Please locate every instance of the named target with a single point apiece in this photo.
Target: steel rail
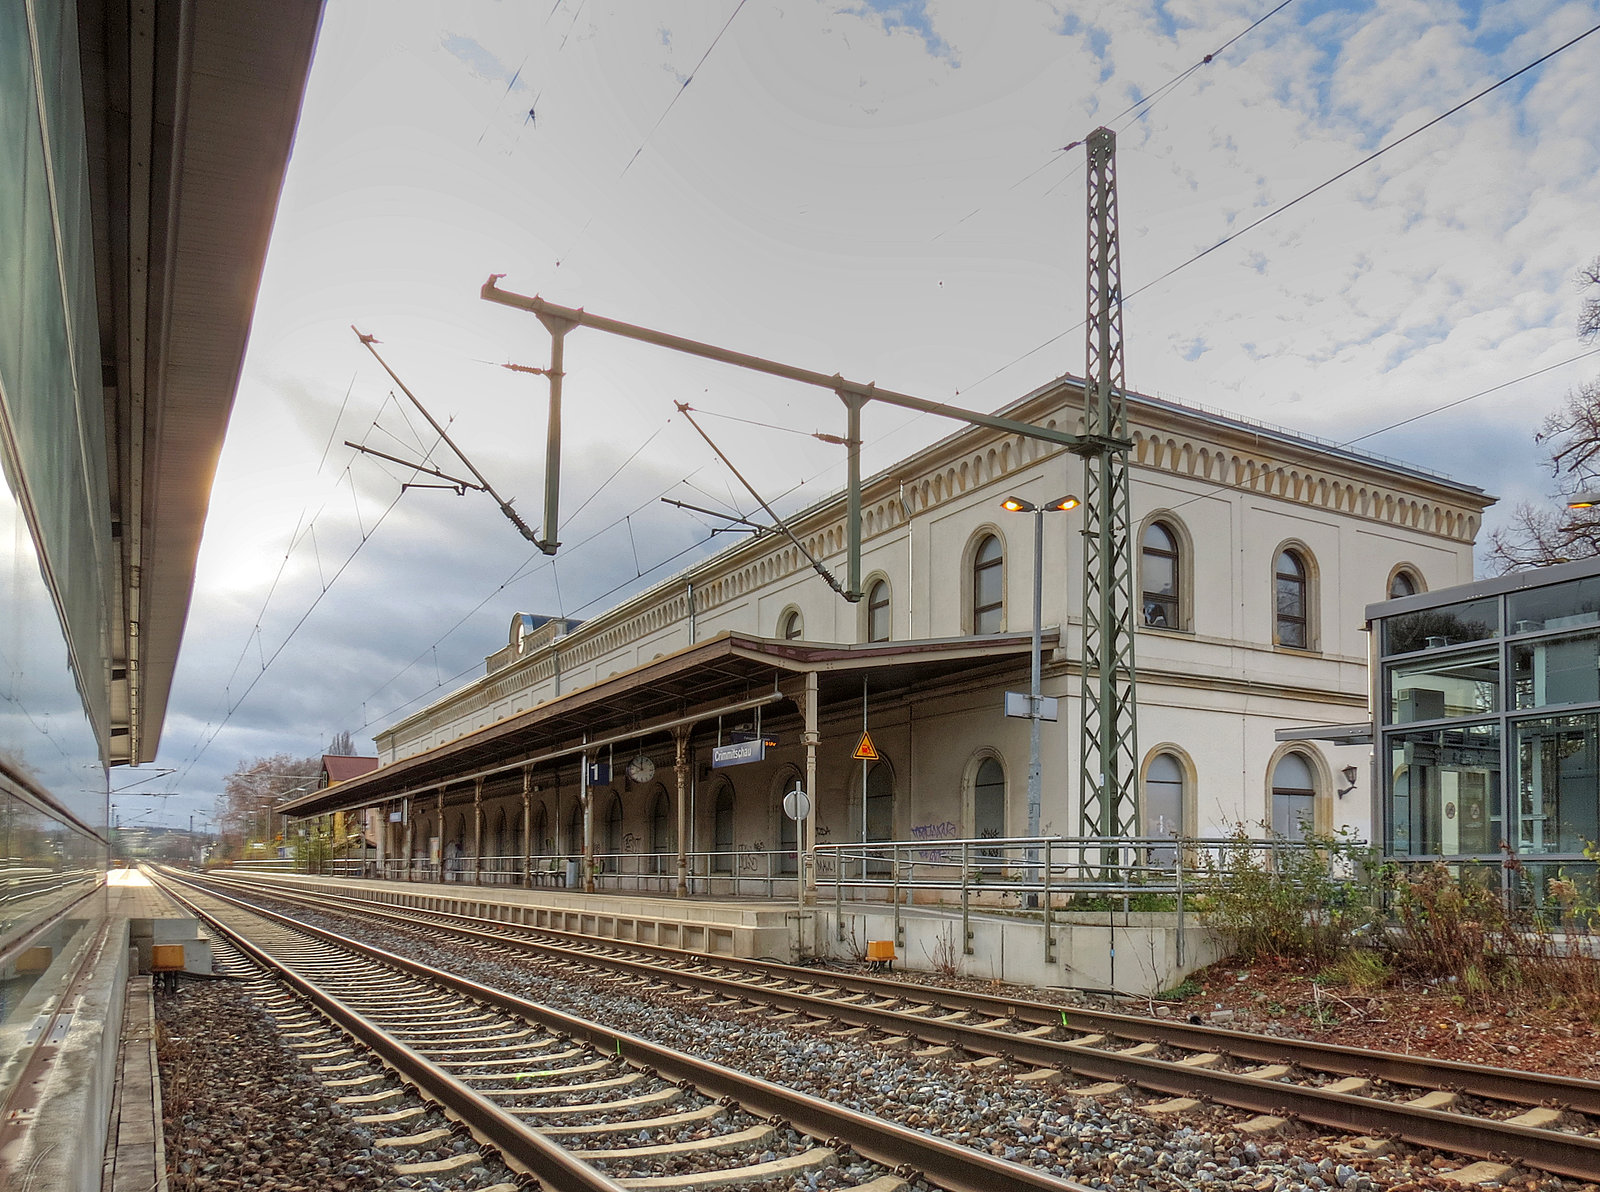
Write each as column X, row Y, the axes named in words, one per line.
column 1553, row 1151
column 909, row 1152
column 1500, row 1084
column 521, row 1147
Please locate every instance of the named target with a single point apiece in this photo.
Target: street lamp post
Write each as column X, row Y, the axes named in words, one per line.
column 1035, row 699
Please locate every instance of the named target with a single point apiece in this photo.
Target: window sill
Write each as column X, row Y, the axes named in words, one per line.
column 1311, row 651
column 1166, row 630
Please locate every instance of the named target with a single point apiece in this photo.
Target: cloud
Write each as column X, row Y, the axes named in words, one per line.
column 911, row 15
column 831, row 193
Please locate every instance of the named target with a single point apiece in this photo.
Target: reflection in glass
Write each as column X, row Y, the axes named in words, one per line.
column 1557, row 792
column 1434, row 688
column 1559, row 606
column 1435, row 628
column 988, row 587
column 1444, row 795
column 1158, row 571
column 1290, row 587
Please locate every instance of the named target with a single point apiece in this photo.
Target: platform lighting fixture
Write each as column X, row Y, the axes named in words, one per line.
column 1035, row 703
column 1587, row 499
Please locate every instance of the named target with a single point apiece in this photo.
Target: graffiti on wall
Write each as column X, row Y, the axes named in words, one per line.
column 940, row 831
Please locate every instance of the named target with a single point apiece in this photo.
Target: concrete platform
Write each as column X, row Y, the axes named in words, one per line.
column 1134, row 954
column 732, row 927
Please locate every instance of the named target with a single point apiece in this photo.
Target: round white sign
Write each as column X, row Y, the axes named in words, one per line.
column 797, row 804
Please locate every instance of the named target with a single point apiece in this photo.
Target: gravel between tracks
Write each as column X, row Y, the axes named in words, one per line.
column 240, row 1112
column 243, row 1112
column 1108, row 1143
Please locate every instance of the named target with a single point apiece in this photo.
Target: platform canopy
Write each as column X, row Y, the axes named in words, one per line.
column 728, row 673
column 190, row 110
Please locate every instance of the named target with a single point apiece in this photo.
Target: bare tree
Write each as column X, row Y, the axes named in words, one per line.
column 248, row 819
column 342, row 745
column 1538, row 536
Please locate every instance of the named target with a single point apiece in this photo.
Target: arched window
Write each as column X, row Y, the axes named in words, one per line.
column 1293, row 605
column 880, row 809
column 879, row 624
column 1163, row 804
column 1403, row 583
column 575, row 831
column 989, row 806
column 788, row 843
column 660, row 832
column 1160, row 577
column 988, row 586
column 791, row 626
column 613, row 836
column 1294, row 798
column 541, row 842
column 722, row 830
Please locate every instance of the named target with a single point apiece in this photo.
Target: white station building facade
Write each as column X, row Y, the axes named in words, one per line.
column 1256, row 552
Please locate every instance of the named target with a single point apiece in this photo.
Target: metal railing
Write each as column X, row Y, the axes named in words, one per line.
column 732, row 873
column 1041, row 875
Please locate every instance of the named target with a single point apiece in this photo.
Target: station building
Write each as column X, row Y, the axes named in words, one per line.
column 590, row 751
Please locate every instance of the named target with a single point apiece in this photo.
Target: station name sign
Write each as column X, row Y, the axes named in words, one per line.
column 739, row 753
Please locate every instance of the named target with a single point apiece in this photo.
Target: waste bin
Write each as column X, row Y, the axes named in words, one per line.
column 572, row 874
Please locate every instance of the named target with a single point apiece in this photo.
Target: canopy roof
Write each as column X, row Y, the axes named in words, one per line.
column 726, row 673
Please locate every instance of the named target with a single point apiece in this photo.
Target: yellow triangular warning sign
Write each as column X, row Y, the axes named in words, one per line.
column 866, row 751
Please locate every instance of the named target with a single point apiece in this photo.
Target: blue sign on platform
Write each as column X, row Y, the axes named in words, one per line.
column 599, row 773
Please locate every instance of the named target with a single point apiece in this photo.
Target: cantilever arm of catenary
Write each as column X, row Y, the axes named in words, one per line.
column 816, row 566
column 367, row 341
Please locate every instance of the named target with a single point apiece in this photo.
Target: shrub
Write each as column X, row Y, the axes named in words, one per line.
column 1289, row 899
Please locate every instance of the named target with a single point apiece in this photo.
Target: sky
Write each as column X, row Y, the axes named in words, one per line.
column 877, row 188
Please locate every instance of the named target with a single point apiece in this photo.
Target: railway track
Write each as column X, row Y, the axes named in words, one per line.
column 578, row 1104
column 1543, row 1122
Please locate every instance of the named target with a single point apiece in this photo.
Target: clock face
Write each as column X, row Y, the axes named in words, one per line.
column 641, row 769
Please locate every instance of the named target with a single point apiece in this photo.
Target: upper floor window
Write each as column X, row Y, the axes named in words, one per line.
column 1160, row 577
column 1292, row 587
column 879, row 625
column 791, row 627
column 988, row 586
column 1403, row 584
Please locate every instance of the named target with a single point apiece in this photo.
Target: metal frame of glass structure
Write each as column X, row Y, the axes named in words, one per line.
column 1487, row 709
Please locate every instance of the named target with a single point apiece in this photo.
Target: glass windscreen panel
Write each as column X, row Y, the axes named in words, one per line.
column 1465, row 684
column 1440, row 628
column 1559, row 606
column 1444, row 792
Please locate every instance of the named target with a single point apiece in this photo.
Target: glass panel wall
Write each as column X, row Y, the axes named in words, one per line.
column 1445, row 792
column 1434, row 688
column 1557, row 793
column 1440, row 628
column 1557, row 606
column 1523, row 707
